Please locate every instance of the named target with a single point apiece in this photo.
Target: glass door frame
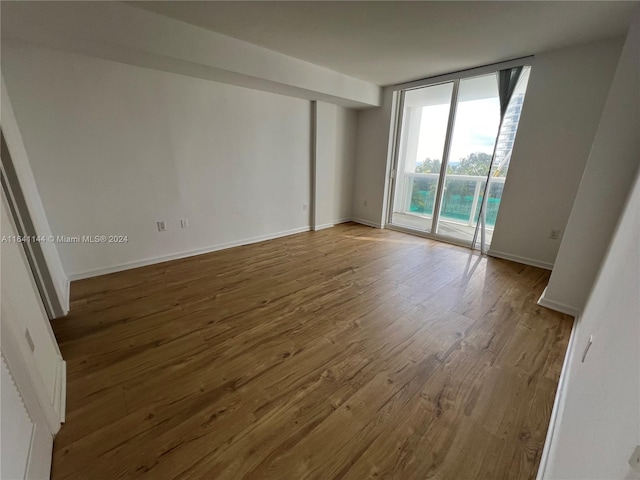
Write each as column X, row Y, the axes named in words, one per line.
column 396, row 132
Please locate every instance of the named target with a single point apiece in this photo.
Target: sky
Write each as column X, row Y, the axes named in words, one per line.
column 475, row 129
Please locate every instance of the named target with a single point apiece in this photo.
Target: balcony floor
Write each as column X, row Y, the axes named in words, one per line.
column 464, row 233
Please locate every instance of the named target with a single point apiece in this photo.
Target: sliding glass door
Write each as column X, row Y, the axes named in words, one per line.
column 453, row 148
column 425, row 120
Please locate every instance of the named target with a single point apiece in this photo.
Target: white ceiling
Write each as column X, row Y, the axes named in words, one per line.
column 393, row 42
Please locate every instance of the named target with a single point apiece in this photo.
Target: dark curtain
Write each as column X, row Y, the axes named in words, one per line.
column 507, row 81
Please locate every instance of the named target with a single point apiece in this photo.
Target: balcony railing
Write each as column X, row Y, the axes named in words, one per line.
column 461, row 199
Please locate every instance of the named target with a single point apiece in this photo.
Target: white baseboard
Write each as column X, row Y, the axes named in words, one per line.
column 519, row 259
column 367, row 222
column 60, row 390
column 67, row 296
column 544, row 301
column 558, row 407
column 323, row 226
column 559, row 402
column 185, row 254
column 333, row 224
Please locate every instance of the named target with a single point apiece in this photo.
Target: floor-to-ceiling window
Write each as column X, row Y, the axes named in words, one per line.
column 453, row 145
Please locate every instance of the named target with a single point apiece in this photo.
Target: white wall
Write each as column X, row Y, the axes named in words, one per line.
column 124, row 33
column 344, row 172
column 115, row 148
column 335, row 133
column 598, row 423
column 613, row 163
column 565, row 96
column 557, row 126
column 372, row 153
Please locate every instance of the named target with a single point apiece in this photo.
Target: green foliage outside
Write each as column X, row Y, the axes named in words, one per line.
column 429, row 166
column 458, row 194
column 476, row 164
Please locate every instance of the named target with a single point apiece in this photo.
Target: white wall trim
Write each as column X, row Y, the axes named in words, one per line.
column 466, row 73
column 393, row 145
column 184, row 254
column 313, row 171
column 518, row 259
column 323, row 226
column 543, row 301
column 558, row 404
column 67, row 294
column 367, row 222
column 60, row 393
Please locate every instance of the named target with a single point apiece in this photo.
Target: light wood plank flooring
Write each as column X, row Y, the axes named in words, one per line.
column 349, row 353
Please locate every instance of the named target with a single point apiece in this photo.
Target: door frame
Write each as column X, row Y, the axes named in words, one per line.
column 45, row 409
column 25, row 227
column 396, row 131
column 17, row 349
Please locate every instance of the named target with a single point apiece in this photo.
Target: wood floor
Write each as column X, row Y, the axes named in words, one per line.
column 349, row 353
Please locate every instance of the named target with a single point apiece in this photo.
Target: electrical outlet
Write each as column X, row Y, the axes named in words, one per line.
column 304, row 207
column 184, row 223
column 554, row 234
column 162, row 226
column 634, row 461
column 365, row 203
